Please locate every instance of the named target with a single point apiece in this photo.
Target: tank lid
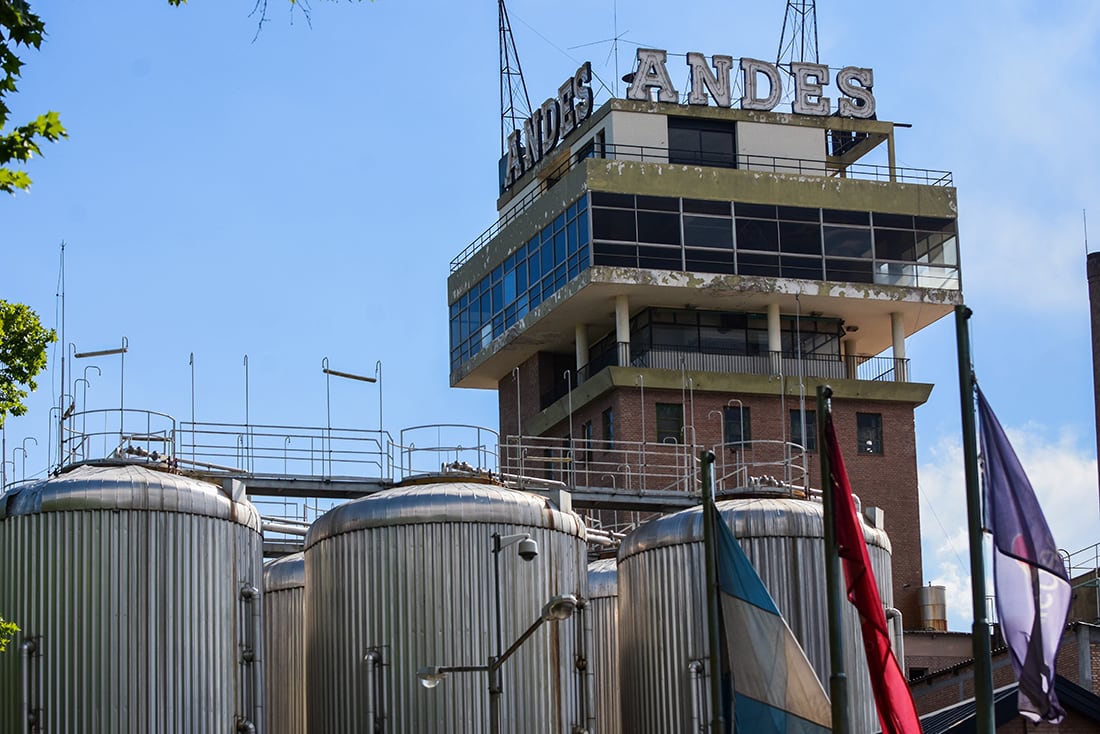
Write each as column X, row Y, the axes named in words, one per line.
column 288, row 572
column 603, row 578
column 449, row 502
column 748, row 518
column 126, row 487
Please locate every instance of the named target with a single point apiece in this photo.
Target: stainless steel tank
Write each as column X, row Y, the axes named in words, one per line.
column 403, row 580
column 662, row 607
column 285, row 645
column 603, row 613
column 137, row 594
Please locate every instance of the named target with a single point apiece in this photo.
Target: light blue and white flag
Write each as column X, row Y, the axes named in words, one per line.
column 775, row 689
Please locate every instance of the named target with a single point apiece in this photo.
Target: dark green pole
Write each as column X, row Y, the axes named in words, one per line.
column 714, row 633
column 834, row 584
column 983, row 667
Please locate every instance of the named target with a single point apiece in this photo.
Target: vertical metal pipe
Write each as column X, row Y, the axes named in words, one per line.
column 494, row 696
column 834, row 589
column 374, row 662
column 695, row 667
column 714, row 645
column 26, row 714
column 983, row 675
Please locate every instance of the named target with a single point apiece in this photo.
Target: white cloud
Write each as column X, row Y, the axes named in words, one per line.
column 1064, row 476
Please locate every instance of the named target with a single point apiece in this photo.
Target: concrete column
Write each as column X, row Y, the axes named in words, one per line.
column 622, row 329
column 851, row 365
column 775, row 338
column 897, row 329
column 582, row 345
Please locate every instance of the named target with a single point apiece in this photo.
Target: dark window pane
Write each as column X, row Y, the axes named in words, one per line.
column 609, row 427
column 659, row 203
column 804, row 268
column 896, row 221
column 660, row 258
column 738, row 425
column 895, row 244
column 854, row 271
column 603, row 198
column 759, row 211
column 934, row 224
column 611, row 254
column 841, row 216
column 753, row 264
column 804, row 434
column 614, row 224
column 659, row 227
column 801, row 238
column 755, row 234
column 799, row 214
column 670, row 422
column 709, row 261
column 701, row 142
column 701, row 206
column 844, row 242
column 869, row 433
column 708, row 231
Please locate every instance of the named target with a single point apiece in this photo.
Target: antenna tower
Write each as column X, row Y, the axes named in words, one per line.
column 515, row 105
column 798, row 41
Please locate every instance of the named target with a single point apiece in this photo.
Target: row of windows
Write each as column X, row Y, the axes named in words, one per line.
column 527, row 277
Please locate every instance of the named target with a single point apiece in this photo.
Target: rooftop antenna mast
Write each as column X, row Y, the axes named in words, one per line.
column 515, row 104
column 798, row 41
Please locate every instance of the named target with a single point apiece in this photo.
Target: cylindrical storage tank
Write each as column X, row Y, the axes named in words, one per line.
column 603, row 615
column 933, row 608
column 403, row 580
column 285, row 644
column 662, row 606
column 137, row 592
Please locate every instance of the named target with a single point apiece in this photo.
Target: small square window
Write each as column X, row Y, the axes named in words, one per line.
column 869, row 433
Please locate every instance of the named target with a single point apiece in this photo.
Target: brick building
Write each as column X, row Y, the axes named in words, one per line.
column 668, row 277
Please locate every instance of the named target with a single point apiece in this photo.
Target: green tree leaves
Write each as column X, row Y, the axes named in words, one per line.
column 20, row 27
column 23, row 342
column 7, row 631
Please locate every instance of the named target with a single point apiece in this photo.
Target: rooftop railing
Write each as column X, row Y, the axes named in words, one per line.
column 651, row 154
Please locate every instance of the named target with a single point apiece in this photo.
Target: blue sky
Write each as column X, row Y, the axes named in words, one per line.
column 300, row 195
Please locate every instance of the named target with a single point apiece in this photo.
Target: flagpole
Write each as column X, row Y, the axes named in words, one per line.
column 834, row 589
column 714, row 634
column 983, row 675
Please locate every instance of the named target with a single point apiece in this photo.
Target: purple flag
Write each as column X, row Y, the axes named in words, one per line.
column 1032, row 586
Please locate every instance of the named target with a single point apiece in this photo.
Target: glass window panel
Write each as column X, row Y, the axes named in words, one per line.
column 896, row 221
column 757, row 211
column 800, row 237
column 521, row 306
column 709, row 261
column 603, row 198
column 660, row 258
column 804, row 433
column 582, row 227
column 509, row 286
column 559, row 223
column 935, row 224
column 614, row 224
column 717, row 148
column 659, row 227
column 895, row 244
column 804, row 268
column 670, row 422
column 842, row 216
column 854, row 271
column 659, row 203
column 521, row 277
column 869, row 433
column 573, row 239
column 754, row 234
column 702, row 206
column 799, row 214
column 498, row 297
column 496, row 274
column 737, row 422
column 847, row 242
column 754, row 264
column 560, row 250
column 708, row 231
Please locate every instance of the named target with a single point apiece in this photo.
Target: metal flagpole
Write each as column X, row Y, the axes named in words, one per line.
column 834, row 578
column 714, row 651
column 983, row 665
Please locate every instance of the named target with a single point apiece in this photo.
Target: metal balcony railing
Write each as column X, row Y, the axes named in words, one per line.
column 652, row 154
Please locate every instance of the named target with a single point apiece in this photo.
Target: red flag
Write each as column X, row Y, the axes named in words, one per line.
column 896, row 711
